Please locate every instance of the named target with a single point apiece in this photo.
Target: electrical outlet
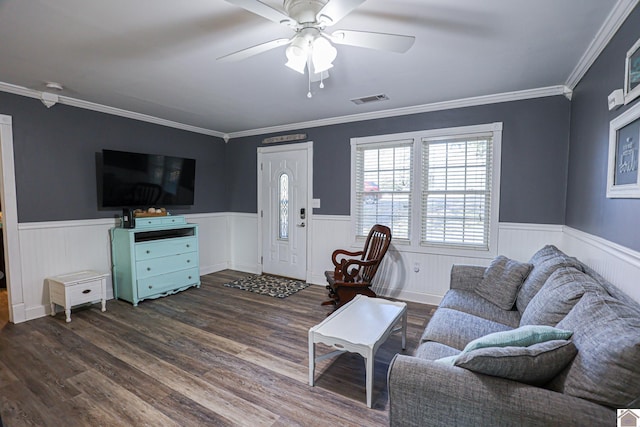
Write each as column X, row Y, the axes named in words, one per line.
column 416, row 267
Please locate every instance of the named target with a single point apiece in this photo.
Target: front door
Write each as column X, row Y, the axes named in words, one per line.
column 283, row 209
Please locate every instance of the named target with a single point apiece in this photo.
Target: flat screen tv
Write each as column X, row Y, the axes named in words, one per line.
column 138, row 180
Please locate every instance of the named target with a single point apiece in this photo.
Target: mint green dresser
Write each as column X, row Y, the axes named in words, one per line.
column 158, row 257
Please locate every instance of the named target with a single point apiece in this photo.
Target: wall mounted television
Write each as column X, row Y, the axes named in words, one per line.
column 138, row 180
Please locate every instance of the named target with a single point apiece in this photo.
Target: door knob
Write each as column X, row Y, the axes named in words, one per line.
column 301, row 225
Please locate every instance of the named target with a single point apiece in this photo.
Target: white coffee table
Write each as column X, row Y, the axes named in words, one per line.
column 360, row 326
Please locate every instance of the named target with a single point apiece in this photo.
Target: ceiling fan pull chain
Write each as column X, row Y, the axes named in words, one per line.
column 321, row 81
column 309, row 93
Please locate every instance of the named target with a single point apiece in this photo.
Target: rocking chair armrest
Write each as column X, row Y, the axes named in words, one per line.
column 334, row 255
column 349, row 276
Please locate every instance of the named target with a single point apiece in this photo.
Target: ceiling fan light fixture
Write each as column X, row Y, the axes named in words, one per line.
column 297, row 54
column 323, row 54
column 297, row 63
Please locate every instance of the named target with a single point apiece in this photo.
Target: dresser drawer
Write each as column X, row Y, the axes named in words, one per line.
column 167, row 264
column 167, row 282
column 155, row 249
column 173, row 220
column 159, row 221
column 84, row 292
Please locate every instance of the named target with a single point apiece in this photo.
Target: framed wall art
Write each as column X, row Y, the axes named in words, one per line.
column 624, row 144
column 632, row 74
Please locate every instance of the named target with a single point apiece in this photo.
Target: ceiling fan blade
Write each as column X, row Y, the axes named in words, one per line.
column 335, row 10
column 264, row 10
column 253, row 50
column 380, row 41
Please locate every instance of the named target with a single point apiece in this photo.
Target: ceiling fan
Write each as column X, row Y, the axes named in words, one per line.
column 311, row 46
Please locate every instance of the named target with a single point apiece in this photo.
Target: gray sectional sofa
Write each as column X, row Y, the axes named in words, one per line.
column 583, row 361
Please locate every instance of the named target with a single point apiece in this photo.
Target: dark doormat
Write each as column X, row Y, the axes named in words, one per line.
column 266, row 284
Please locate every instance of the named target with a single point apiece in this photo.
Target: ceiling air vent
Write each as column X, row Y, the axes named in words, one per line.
column 372, row 98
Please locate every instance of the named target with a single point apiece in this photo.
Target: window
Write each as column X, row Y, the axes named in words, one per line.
column 456, row 190
column 383, row 187
column 436, row 189
column 283, row 204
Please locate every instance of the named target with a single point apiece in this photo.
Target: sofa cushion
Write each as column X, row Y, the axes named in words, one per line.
column 545, row 262
column 520, row 337
column 431, row 350
column 502, row 280
column 456, row 329
column 562, row 290
column 607, row 335
column 472, row 303
column 536, row 364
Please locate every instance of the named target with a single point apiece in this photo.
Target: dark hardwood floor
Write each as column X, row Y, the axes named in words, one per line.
column 208, row 356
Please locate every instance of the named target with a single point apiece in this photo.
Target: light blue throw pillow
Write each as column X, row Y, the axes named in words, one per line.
column 449, row 360
column 523, row 336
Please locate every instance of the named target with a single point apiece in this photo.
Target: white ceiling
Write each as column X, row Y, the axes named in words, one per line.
column 158, row 57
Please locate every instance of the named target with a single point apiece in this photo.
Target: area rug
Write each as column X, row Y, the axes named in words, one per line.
column 265, row 284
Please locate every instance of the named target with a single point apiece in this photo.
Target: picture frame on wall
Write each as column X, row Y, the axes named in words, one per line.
column 632, row 73
column 623, row 180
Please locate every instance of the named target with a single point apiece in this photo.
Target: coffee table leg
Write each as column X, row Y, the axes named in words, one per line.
column 404, row 330
column 369, row 361
column 312, row 359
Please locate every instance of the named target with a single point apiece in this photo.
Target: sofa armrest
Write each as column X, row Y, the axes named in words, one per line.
column 466, row 277
column 426, row 393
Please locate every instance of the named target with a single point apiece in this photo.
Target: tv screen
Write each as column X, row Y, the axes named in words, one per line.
column 139, row 180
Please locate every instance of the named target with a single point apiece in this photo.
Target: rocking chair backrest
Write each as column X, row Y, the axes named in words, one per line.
column 375, row 248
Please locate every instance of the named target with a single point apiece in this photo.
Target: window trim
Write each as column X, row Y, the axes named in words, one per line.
column 413, row 244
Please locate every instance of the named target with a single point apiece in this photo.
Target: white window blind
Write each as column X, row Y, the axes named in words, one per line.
column 456, row 191
column 383, row 186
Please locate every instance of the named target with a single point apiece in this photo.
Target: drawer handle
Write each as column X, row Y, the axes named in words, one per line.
column 86, row 291
column 150, row 287
column 189, row 277
column 188, row 245
column 148, row 268
column 188, row 261
column 148, row 251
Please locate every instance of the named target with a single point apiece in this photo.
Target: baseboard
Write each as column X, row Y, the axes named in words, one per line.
column 422, row 298
column 214, row 268
column 246, row 268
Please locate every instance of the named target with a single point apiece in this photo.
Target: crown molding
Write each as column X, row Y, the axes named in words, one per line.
column 424, row 108
column 74, row 102
column 611, row 25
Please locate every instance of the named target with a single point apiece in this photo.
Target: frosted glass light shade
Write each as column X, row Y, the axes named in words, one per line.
column 323, row 54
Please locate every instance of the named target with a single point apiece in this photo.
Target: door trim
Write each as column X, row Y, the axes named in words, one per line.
column 11, row 241
column 308, row 147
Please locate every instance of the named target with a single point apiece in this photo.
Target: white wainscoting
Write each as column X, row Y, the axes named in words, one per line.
column 398, row 277
column 243, row 242
column 52, row 248
column 58, row 247
column 230, row 240
column 213, row 241
column 617, row 264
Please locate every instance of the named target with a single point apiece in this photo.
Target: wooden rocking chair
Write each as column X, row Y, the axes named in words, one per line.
column 354, row 271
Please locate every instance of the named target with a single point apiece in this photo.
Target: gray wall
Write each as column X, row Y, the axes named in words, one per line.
column 534, row 157
column 588, row 208
column 55, row 158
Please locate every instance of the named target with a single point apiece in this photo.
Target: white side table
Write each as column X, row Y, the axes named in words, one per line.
column 68, row 290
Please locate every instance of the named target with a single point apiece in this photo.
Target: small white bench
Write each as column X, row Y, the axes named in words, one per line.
column 360, row 326
column 68, row 290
